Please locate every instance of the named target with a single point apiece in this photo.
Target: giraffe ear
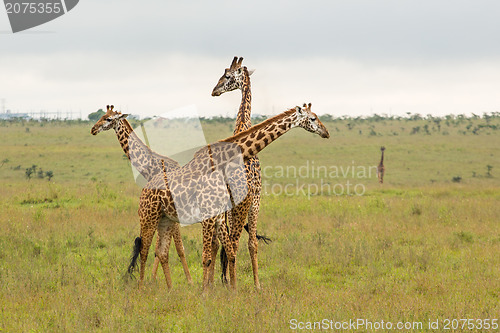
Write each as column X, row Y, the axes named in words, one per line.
column 119, row 116
column 299, row 110
column 250, row 71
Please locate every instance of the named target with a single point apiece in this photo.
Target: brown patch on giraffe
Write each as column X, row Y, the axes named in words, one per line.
column 260, row 136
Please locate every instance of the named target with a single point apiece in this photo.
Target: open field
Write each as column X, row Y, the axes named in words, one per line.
column 421, row 247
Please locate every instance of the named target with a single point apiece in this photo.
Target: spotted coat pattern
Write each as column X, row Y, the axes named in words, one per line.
column 148, row 163
column 381, row 167
column 238, row 77
column 215, row 159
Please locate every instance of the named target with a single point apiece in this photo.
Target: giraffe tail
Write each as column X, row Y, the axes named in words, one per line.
column 223, row 258
column 223, row 255
column 135, row 255
column 223, row 265
column 263, row 238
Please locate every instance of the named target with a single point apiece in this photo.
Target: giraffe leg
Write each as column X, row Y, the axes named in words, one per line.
column 157, row 260
column 223, row 255
column 176, row 233
column 231, row 257
column 147, row 238
column 149, row 215
column 208, row 228
column 162, row 251
column 215, row 248
column 253, row 243
column 239, row 216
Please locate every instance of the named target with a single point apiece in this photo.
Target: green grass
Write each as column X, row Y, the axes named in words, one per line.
column 418, row 248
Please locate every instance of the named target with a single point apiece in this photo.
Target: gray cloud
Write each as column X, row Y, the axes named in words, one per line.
column 347, row 57
column 367, row 30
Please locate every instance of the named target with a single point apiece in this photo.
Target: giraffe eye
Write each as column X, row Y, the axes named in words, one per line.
column 313, row 119
column 227, row 76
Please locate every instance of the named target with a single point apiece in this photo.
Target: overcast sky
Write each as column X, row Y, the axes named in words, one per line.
column 346, row 57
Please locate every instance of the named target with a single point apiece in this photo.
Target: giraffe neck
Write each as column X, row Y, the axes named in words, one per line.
column 123, row 131
column 144, row 160
column 382, row 158
column 258, row 137
column 243, row 119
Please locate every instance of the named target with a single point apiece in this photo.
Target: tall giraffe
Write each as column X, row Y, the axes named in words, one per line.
column 238, row 77
column 381, row 168
column 147, row 162
column 202, row 188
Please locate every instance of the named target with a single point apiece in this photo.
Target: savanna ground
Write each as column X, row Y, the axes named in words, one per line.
column 423, row 247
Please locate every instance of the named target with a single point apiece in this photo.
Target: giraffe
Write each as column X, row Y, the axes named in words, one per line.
column 201, row 187
column 381, row 168
column 238, row 77
column 145, row 161
column 148, row 163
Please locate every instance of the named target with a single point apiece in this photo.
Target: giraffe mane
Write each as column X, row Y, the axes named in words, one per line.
column 127, row 124
column 259, row 126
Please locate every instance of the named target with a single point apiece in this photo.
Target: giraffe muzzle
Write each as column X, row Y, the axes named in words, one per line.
column 94, row 131
column 323, row 132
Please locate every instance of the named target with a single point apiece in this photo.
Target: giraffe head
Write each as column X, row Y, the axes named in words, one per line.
column 108, row 121
column 233, row 78
column 309, row 121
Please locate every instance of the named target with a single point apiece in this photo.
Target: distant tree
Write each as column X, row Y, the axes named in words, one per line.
column 95, row 116
column 487, row 117
column 29, row 172
column 437, row 121
column 326, row 117
column 4, row 161
column 489, row 167
column 49, row 175
column 415, row 130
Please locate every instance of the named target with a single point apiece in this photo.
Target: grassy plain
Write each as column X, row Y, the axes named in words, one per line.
column 421, row 247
